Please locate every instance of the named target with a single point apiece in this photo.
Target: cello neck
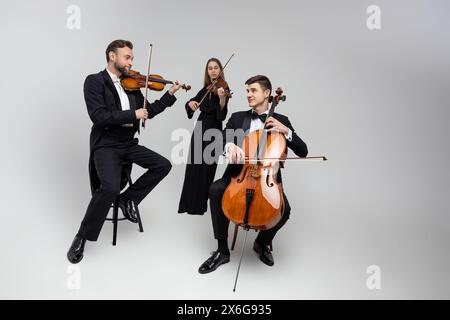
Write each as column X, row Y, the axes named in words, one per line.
column 263, row 139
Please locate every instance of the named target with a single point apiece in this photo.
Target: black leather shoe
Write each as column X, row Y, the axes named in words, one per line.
column 126, row 205
column 213, row 262
column 264, row 253
column 75, row 253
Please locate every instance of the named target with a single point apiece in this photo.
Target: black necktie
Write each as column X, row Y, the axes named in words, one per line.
column 261, row 116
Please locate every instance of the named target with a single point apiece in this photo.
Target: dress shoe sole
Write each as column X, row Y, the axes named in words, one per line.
column 215, row 267
column 73, row 261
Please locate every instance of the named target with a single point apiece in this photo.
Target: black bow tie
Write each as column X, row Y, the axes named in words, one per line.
column 261, row 116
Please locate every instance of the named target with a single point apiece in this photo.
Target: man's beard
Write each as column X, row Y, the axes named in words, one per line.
column 123, row 70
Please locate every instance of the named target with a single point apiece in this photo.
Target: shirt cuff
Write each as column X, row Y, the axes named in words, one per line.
column 225, row 150
column 288, row 136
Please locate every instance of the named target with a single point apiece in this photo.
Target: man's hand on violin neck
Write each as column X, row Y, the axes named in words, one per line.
column 235, row 154
column 175, row 87
column 141, row 113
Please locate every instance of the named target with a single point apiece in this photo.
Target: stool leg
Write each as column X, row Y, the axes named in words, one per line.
column 236, row 228
column 138, row 215
column 115, row 220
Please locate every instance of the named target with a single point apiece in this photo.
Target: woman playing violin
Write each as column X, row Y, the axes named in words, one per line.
column 212, row 102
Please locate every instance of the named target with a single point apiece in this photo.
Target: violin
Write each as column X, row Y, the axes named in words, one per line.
column 216, row 85
column 135, row 81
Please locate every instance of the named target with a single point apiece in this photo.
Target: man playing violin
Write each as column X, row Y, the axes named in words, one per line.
column 116, row 114
column 259, row 90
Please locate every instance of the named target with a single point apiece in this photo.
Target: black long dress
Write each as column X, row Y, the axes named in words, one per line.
column 199, row 175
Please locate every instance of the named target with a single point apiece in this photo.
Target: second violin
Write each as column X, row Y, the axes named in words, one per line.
column 220, row 83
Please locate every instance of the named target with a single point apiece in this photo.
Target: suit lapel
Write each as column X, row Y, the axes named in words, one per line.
column 247, row 121
column 131, row 98
column 112, row 88
column 132, row 101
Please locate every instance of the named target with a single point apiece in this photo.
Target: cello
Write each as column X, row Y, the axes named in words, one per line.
column 254, row 198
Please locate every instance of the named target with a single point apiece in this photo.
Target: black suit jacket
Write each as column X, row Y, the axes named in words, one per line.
column 105, row 111
column 242, row 120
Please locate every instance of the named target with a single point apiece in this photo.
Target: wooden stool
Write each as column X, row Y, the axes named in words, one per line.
column 125, row 180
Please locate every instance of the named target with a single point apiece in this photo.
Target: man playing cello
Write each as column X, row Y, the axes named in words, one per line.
column 259, row 91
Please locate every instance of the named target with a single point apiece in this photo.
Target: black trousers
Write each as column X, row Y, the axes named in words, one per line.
column 108, row 163
column 220, row 222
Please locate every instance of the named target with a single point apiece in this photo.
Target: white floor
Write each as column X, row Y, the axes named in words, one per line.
column 316, row 257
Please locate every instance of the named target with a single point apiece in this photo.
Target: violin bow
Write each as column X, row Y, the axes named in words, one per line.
column 317, row 158
column 215, row 81
column 146, row 80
